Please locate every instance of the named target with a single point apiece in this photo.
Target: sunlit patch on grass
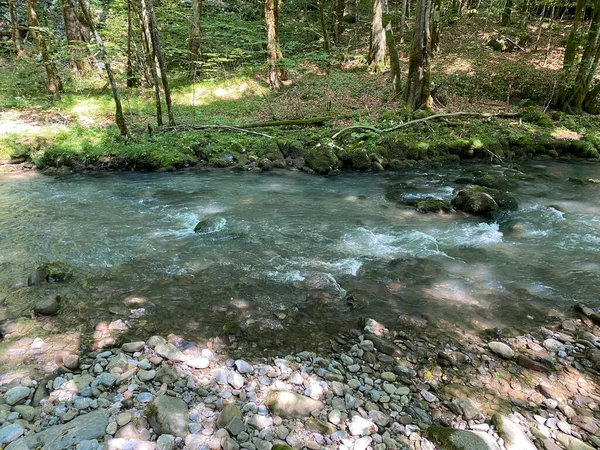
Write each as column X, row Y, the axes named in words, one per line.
column 460, row 65
column 566, row 134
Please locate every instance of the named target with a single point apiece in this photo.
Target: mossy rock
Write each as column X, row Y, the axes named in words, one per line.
column 319, row 426
column 265, row 164
column 497, row 44
column 583, row 181
column 56, row 271
column 231, row 327
column 461, row 147
column 475, row 202
column 433, row 206
column 282, row 447
column 322, row 158
column 360, row 160
column 502, row 199
column 291, row 148
column 537, row 117
column 492, row 181
column 401, row 164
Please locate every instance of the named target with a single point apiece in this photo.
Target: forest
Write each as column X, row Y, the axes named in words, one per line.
column 89, row 85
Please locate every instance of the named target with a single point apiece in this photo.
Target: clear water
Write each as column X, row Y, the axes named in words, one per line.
column 284, row 249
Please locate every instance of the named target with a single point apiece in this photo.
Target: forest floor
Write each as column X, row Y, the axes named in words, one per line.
column 78, row 132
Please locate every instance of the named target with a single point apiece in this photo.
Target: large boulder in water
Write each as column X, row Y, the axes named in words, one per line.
column 209, row 225
column 483, row 201
column 53, row 272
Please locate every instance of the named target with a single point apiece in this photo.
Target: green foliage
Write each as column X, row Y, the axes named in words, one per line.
column 538, row 117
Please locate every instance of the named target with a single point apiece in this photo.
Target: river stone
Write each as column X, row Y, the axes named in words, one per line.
column 10, row 433
column 243, row 367
column 171, row 352
column 290, row 405
column 71, row 361
column 501, row 349
column 132, row 347
column 165, row 442
column 383, row 345
column 48, row 306
column 476, row 202
column 452, row 439
column 16, row 395
column 236, row 380
column 514, row 437
column 466, row 408
column 198, row 362
column 572, row 443
column 60, row 437
column 120, row 361
column 28, row 413
column 146, row 375
column 360, row 426
column 230, row 412
column 168, row 415
column 528, row 363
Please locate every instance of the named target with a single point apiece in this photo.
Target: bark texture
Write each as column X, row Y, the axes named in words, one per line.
column 418, row 87
column 14, row 26
column 377, row 47
column 273, row 50
column 76, row 36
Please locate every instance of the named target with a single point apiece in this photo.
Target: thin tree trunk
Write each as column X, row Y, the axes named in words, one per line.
column 402, row 21
column 161, row 60
column 571, row 48
column 338, row 8
column 436, row 26
column 273, row 52
column 75, row 36
column 377, row 47
column 506, row 13
column 55, row 85
column 418, row 87
column 119, row 118
column 323, row 25
column 391, row 48
column 131, row 77
column 14, row 26
column 195, row 38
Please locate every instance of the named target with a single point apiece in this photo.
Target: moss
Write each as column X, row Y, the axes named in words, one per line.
column 536, row 116
column 282, row 447
column 583, row 181
column 56, row 271
column 360, row 159
column 319, row 426
column 433, row 206
column 322, row 158
column 461, row 147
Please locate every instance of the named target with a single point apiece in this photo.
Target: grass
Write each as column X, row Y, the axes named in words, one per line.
column 78, row 131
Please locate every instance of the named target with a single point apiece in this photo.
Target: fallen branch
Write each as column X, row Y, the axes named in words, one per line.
column 281, row 123
column 425, row 119
column 213, row 127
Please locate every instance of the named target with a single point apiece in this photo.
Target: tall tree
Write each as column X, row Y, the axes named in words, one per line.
column 14, row 26
column 506, row 13
column 402, row 20
column 119, row 117
column 337, row 25
column 55, row 85
column 132, row 80
column 579, row 94
column 323, row 25
column 195, row 37
column 76, row 36
column 377, row 45
column 572, row 41
column 391, row 48
column 436, row 25
column 160, row 58
column 418, row 86
column 142, row 13
column 273, row 50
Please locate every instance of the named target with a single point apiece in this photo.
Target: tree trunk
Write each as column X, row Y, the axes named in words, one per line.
column 571, row 48
column 377, row 47
column 273, row 51
column 195, row 38
column 132, row 80
column 161, row 60
column 76, row 37
column 14, row 26
column 402, row 20
column 338, row 15
column 119, row 118
column 391, row 48
column 436, row 26
column 418, row 87
column 505, row 19
column 573, row 96
column 55, row 85
column 323, row 25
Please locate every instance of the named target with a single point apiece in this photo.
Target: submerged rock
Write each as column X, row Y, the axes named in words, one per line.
column 56, row 271
column 433, row 206
column 48, row 306
column 483, row 200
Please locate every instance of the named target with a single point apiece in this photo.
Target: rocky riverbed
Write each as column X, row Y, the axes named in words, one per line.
column 416, row 385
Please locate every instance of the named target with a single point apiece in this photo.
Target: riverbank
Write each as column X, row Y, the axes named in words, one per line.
column 413, row 384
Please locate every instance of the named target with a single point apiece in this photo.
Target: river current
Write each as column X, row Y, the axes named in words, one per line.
column 293, row 257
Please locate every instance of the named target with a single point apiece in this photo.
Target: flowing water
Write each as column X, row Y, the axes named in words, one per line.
column 289, row 258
